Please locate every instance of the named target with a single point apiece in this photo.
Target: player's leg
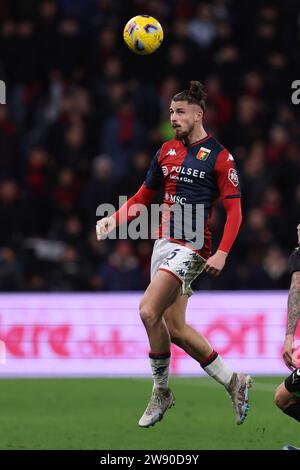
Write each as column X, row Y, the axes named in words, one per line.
column 183, row 335
column 161, row 293
column 198, row 347
column 288, row 402
column 287, row 395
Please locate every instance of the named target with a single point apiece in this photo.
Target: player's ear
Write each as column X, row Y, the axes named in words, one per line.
column 199, row 114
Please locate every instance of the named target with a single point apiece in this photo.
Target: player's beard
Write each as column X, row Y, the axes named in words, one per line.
column 182, row 135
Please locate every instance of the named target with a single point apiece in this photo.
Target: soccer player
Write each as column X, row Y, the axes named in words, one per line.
column 193, row 168
column 287, row 395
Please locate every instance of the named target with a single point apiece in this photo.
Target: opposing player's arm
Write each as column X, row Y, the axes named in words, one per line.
column 228, row 184
column 144, row 196
column 292, row 320
column 293, row 306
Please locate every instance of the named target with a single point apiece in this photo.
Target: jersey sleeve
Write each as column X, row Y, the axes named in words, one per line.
column 143, row 196
column 227, row 176
column 154, row 177
column 228, row 184
column 233, row 210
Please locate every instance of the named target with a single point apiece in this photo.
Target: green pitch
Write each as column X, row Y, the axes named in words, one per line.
column 103, row 414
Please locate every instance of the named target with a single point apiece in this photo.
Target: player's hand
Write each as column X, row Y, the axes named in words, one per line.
column 287, row 352
column 104, row 227
column 298, row 230
column 215, row 263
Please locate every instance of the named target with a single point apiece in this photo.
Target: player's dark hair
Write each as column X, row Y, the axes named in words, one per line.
column 195, row 95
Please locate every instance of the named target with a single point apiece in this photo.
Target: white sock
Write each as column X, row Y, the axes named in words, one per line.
column 160, row 370
column 219, row 370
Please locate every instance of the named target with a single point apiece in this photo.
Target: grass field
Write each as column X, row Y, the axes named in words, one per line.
column 103, row 414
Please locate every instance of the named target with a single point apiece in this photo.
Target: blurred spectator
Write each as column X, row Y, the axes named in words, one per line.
column 47, row 36
column 272, row 208
column 277, row 145
column 38, row 183
column 253, row 84
column 220, row 104
column 75, row 152
column 202, row 28
column 8, row 48
column 69, row 47
column 255, row 234
column 122, row 272
column 70, row 273
column 95, row 254
column 26, row 66
column 101, row 188
column 10, row 272
column 255, row 176
column 247, row 125
column 67, row 191
column 107, row 46
column 168, row 89
column 10, row 165
column 178, row 62
column 275, row 267
column 122, row 134
column 138, row 167
column 15, row 215
column 144, row 252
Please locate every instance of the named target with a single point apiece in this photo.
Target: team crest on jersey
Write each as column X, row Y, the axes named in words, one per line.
column 233, row 177
column 203, row 153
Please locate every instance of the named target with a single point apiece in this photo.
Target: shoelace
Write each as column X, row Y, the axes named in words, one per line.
column 241, row 392
column 155, row 402
column 241, row 398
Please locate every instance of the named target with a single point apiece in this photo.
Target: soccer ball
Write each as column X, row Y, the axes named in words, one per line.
column 143, row 34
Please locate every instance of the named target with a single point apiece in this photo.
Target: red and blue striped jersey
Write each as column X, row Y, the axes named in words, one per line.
column 193, row 174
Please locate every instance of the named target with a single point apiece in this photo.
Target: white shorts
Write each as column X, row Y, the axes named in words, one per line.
column 184, row 263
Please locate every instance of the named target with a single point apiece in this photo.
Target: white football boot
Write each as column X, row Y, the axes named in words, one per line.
column 160, row 401
column 290, row 447
column 238, row 390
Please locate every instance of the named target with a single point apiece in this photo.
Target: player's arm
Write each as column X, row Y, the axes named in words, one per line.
column 293, row 306
column 228, row 184
column 144, row 196
column 292, row 320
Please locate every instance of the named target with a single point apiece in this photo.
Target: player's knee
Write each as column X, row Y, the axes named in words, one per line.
column 148, row 316
column 280, row 399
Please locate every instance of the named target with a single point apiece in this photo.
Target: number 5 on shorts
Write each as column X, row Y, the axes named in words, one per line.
column 173, row 254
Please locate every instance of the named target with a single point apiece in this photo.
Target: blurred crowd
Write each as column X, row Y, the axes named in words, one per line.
column 84, row 117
